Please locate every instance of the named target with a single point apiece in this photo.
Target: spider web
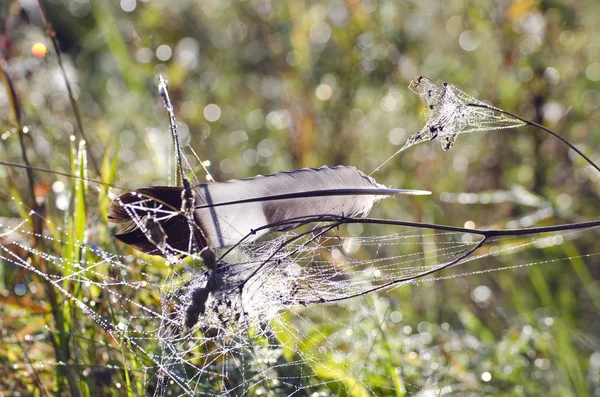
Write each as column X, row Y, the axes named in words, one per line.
column 243, row 325
column 447, row 114
column 284, row 314
column 261, row 339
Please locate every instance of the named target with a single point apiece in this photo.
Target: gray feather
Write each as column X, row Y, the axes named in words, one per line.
column 225, row 225
column 226, row 212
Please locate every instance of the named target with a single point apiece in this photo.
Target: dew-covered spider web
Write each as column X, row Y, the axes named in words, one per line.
column 261, row 339
column 313, row 311
column 447, row 114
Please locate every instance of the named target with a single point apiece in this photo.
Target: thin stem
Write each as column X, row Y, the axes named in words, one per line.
column 486, row 233
column 52, row 34
column 46, row 170
column 534, row 124
column 188, row 198
column 340, row 220
column 164, row 93
column 36, row 376
column 404, row 279
column 337, row 221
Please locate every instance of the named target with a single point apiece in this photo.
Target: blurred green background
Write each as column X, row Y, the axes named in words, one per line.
column 262, row 86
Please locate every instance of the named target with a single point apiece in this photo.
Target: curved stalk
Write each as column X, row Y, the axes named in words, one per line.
column 534, row 124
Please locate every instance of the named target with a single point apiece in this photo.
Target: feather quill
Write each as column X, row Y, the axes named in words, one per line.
column 226, row 212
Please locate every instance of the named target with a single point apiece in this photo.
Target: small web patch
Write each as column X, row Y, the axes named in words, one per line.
column 448, row 113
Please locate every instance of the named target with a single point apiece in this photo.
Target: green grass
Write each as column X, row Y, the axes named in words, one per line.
column 533, row 336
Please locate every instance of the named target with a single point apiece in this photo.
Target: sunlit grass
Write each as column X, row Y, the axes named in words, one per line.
column 534, row 334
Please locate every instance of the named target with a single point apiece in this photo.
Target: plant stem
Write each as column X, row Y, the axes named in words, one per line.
column 52, row 34
column 534, row 124
column 54, row 172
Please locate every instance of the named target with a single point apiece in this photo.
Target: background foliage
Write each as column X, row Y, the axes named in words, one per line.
column 262, row 86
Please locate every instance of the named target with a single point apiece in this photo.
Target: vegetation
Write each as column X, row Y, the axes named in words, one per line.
column 261, row 86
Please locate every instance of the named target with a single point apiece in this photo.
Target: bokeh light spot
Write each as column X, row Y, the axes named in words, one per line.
column 552, row 75
column 164, row 52
column 388, row 103
column 128, row 5
column 567, row 38
column 481, row 293
column 553, row 112
column 525, row 74
column 453, row 25
column 20, row 289
column 212, row 112
column 320, row 33
column 396, row 316
column 188, row 109
column 278, row 119
column 468, row 40
column 293, row 58
column 324, row 92
column 469, row 225
column 227, row 166
column 593, row 71
column 250, row 157
column 39, row 50
column 143, row 55
column 397, row 136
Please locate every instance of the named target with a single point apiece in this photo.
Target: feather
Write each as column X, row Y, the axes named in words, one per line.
column 226, row 212
column 162, row 202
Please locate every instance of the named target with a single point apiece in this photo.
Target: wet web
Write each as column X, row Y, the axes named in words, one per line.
column 262, row 339
column 283, row 315
column 447, row 114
